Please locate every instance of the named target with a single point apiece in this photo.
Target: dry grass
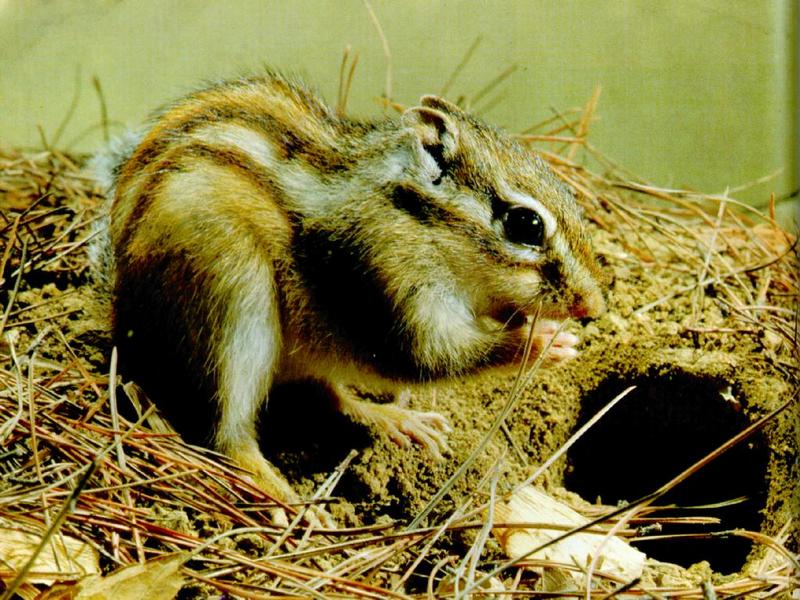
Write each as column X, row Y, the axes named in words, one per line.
column 74, row 469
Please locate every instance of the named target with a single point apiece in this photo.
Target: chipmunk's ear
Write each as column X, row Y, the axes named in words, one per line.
column 441, row 104
column 437, row 132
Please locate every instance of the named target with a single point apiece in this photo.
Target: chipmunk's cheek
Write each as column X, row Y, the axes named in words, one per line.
column 515, row 299
column 528, row 282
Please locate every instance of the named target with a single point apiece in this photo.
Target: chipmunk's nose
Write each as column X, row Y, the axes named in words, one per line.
column 590, row 304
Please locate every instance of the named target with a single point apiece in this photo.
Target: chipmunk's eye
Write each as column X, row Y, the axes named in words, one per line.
column 523, row 226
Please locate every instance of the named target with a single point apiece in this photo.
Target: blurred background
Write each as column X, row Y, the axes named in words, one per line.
column 695, row 94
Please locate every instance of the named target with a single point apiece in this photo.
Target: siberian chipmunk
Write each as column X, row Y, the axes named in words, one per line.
column 256, row 237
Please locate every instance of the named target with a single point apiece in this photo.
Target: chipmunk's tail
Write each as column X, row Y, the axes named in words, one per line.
column 104, row 166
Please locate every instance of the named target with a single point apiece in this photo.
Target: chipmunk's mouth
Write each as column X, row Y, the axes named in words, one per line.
column 513, row 317
column 510, row 317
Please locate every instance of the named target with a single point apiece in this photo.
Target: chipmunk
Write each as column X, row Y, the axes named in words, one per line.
column 256, row 237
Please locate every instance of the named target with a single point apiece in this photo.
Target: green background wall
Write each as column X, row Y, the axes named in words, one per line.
column 695, row 93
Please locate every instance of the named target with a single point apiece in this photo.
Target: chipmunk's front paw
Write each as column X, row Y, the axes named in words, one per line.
column 404, row 426
column 557, row 346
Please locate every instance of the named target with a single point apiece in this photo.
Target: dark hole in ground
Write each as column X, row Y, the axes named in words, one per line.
column 670, row 421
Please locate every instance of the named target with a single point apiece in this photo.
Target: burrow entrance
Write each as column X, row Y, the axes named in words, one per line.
column 672, row 419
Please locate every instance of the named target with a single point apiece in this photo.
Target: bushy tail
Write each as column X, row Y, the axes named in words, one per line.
column 104, row 167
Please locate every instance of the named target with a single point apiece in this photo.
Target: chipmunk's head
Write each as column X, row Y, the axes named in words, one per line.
column 512, row 234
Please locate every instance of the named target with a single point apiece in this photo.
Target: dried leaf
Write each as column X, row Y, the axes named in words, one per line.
column 62, row 558
column 157, row 579
column 529, row 505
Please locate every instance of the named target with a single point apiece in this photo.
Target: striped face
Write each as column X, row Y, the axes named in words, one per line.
column 531, row 249
column 548, row 258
